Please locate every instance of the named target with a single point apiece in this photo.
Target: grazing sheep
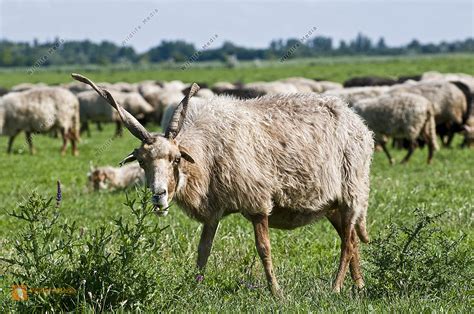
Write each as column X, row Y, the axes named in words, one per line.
column 303, row 85
column 468, row 131
column 404, row 78
column 449, row 101
column 3, row 91
column 125, row 87
column 272, row 88
column 112, row 178
column 162, row 99
column 281, row 161
column 146, row 88
column 94, row 108
column 240, row 92
column 401, row 116
column 450, row 77
column 353, row 94
column 40, row 110
column 76, row 87
column 219, row 87
column 328, row 85
column 360, row 81
column 26, row 86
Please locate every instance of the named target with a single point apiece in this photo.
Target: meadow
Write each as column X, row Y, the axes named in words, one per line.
column 420, row 221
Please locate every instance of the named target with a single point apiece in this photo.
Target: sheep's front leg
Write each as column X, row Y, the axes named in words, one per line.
column 411, row 149
column 262, row 241
column 205, row 246
column 29, row 140
column 10, row 142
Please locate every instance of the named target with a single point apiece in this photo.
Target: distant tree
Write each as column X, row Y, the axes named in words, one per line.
column 361, row 44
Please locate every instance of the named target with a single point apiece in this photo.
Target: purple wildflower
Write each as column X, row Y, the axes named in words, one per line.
column 59, row 195
column 199, row 278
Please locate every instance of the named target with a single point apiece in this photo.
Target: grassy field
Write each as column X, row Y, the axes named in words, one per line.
column 336, row 69
column 305, row 259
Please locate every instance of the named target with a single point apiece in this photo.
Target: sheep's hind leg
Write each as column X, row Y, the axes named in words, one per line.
column 73, row 139
column 347, row 248
column 262, row 241
column 29, row 140
column 411, row 149
column 65, row 138
column 354, row 266
column 205, row 246
column 118, row 129
column 10, row 142
column 385, row 150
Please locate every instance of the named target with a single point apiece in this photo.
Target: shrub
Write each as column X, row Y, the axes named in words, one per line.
column 417, row 258
column 102, row 269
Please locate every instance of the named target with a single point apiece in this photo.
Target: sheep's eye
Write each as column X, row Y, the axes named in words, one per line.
column 176, row 160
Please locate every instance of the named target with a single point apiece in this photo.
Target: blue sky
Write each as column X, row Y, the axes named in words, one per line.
column 247, row 23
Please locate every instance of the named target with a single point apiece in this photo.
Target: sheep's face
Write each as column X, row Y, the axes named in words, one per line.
column 99, row 179
column 162, row 161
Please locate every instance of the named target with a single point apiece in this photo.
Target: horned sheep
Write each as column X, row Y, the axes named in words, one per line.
column 40, row 110
column 281, row 161
column 401, row 116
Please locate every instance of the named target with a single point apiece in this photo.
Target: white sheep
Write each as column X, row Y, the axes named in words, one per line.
column 281, row 161
column 40, row 110
column 353, row 94
column 400, row 116
column 94, row 108
column 112, row 178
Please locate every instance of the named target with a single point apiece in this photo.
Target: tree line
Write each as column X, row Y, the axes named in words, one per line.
column 63, row 52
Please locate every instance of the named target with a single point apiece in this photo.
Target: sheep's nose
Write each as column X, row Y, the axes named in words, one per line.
column 158, row 196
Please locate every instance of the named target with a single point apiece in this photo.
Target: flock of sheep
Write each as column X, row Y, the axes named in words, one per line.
column 281, row 153
column 412, row 111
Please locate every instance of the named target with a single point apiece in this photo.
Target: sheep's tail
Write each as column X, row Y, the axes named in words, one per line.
column 361, row 229
column 76, row 126
column 431, row 129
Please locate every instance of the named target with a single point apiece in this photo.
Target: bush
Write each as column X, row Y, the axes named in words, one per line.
column 417, row 258
column 100, row 270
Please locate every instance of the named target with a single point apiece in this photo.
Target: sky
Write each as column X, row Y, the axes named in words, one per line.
column 247, row 23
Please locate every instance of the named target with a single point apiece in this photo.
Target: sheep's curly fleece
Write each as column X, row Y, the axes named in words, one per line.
column 293, row 157
column 402, row 115
column 448, row 101
column 40, row 110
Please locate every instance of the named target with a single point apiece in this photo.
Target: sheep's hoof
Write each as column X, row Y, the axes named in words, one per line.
column 392, row 161
column 277, row 292
column 76, row 153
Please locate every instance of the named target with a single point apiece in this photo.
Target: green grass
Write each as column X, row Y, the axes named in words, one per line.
column 335, row 69
column 305, row 259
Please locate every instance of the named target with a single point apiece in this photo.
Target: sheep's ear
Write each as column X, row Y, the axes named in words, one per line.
column 127, row 159
column 185, row 154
